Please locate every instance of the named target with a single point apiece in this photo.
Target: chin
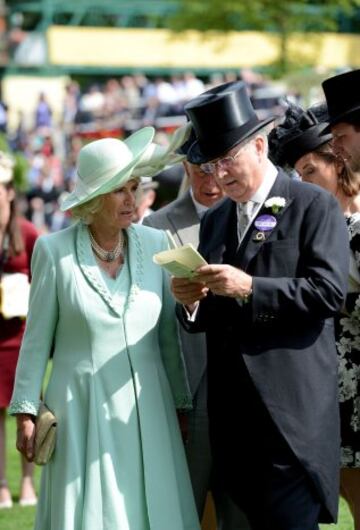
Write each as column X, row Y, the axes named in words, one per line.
column 124, row 226
column 238, row 198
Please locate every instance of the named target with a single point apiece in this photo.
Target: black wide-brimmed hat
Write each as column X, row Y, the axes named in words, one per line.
column 342, row 94
column 301, row 132
column 222, row 118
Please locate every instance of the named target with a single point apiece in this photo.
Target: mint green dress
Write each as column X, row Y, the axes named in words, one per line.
column 117, row 378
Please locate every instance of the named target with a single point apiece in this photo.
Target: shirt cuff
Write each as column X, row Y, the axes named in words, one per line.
column 191, row 317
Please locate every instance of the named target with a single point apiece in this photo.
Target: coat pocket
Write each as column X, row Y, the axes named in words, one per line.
column 278, row 258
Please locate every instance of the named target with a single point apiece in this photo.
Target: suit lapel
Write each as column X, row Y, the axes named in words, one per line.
column 185, row 221
column 250, row 246
column 222, row 243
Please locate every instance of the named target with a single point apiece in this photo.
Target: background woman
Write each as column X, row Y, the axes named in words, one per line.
column 301, row 143
column 118, row 375
column 17, row 238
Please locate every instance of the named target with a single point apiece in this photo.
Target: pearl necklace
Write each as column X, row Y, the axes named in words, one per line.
column 108, row 255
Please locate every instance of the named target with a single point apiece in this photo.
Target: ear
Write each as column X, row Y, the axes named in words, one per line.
column 260, row 145
column 186, row 167
column 150, row 196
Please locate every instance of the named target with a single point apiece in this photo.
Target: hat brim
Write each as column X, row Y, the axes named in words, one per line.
column 138, row 142
column 344, row 116
column 195, row 155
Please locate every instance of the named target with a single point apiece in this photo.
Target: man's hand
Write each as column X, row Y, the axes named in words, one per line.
column 225, row 280
column 188, row 292
column 25, row 439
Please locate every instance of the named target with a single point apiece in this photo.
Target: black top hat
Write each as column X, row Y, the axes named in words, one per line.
column 342, row 94
column 184, row 148
column 301, row 132
column 222, row 118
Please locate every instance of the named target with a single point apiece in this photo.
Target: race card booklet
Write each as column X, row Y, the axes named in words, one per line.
column 180, row 261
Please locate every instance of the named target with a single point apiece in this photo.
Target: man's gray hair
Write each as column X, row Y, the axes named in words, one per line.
column 263, row 133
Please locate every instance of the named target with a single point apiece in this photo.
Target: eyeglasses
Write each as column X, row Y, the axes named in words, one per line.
column 225, row 163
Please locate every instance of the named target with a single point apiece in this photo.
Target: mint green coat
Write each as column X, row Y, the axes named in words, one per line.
column 117, row 377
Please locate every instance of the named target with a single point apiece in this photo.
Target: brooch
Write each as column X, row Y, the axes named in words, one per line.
column 259, row 236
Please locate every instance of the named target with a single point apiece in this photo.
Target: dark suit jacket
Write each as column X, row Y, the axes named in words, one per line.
column 284, row 334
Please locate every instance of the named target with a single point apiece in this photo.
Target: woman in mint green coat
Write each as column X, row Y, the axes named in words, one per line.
column 103, row 306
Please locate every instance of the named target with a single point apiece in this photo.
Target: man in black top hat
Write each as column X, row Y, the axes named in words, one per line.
column 342, row 94
column 278, row 259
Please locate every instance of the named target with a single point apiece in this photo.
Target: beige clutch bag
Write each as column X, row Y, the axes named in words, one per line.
column 45, row 435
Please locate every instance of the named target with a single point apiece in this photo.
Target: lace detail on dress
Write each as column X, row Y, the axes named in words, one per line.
column 136, row 257
column 23, row 406
column 136, row 266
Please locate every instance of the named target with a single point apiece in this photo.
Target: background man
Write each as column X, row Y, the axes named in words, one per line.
column 277, row 252
column 146, row 198
column 343, row 101
column 182, row 218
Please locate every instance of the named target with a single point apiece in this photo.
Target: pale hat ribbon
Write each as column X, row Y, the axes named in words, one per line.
column 157, row 157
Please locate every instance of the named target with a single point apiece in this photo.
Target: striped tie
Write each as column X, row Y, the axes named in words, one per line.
column 244, row 212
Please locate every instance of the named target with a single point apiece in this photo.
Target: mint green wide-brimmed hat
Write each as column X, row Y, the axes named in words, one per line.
column 107, row 164
column 104, row 165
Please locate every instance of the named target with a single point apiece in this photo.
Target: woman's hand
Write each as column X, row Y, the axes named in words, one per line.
column 25, row 438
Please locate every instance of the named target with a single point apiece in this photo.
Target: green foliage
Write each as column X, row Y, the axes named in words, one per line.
column 21, row 167
column 276, row 15
column 280, row 16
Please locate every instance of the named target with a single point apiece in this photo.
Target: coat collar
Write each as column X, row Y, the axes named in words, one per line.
column 185, row 220
column 93, row 275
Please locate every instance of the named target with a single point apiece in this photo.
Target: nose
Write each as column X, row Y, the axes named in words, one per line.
column 130, row 197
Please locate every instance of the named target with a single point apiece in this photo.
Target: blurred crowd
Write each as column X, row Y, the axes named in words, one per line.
column 115, row 107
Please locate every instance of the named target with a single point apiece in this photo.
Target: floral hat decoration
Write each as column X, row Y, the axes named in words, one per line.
column 300, row 132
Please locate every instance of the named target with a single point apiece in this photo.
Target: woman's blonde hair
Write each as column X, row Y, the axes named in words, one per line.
column 86, row 211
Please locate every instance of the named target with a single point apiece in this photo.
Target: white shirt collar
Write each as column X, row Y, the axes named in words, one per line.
column 264, row 189
column 200, row 208
column 257, row 200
